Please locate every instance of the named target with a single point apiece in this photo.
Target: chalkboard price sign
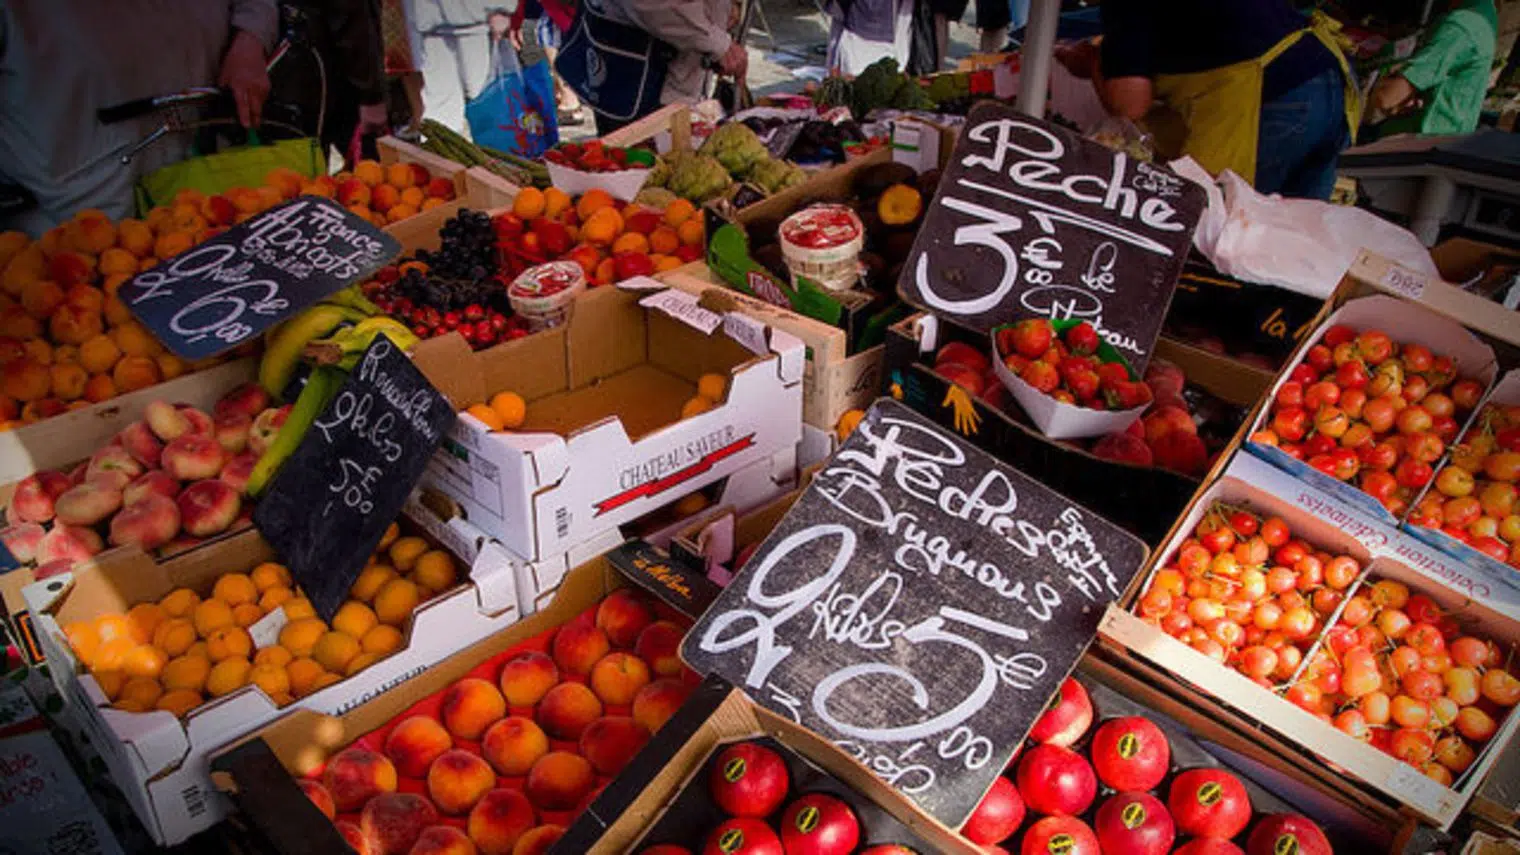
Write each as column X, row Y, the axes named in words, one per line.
column 332, row 499
column 1032, row 220
column 215, row 296
column 917, row 606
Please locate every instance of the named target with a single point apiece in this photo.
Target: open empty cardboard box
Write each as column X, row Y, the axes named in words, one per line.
column 605, row 441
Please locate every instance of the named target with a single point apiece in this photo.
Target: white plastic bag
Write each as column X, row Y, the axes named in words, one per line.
column 1303, row 245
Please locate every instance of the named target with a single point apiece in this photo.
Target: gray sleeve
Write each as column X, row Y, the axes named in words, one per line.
column 258, row 18
column 682, row 23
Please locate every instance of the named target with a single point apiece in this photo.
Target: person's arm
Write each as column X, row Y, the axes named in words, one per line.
column 359, row 51
column 255, row 23
column 1123, row 74
column 1448, row 45
column 684, row 23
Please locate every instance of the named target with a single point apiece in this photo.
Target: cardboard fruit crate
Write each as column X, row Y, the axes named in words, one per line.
column 1357, row 770
column 604, row 442
column 160, row 761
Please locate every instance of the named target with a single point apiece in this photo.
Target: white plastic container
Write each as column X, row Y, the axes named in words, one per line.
column 544, row 295
column 823, row 243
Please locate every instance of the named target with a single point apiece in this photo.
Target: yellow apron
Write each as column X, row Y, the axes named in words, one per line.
column 1221, row 134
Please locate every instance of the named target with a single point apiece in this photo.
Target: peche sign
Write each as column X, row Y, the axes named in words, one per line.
column 917, row 606
column 1032, row 220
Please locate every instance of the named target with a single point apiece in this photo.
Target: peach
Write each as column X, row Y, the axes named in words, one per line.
column 567, row 709
column 148, row 523
column 88, row 503
column 208, row 507
column 192, row 457
column 140, row 442
column 657, row 702
column 199, row 422
column 115, row 461
column 623, row 615
column 513, row 745
column 354, row 837
column 249, row 400
column 617, row 678
column 265, row 426
column 659, row 645
column 559, row 780
column 443, row 840
column 22, row 540
column 34, row 498
column 238, row 470
column 458, row 779
column 319, row 796
column 415, row 743
column 165, row 420
column 393, row 821
column 499, row 819
column 538, row 841
column 470, row 706
column 356, row 775
column 578, row 647
column 231, row 432
column 611, row 741
column 527, row 677
column 153, row 483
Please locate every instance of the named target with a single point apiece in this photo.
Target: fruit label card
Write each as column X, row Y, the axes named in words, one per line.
column 215, row 296
column 1032, row 220
column 917, row 606
column 328, row 506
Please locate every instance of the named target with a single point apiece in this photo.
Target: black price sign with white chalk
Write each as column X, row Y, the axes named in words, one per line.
column 332, row 499
column 917, row 606
column 1032, row 220
column 215, row 296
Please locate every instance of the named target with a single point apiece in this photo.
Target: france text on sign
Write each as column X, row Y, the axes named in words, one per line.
column 332, row 499
column 217, row 295
column 917, row 606
column 1032, row 220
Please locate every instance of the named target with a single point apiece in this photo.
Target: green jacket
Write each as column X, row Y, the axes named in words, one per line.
column 1452, row 68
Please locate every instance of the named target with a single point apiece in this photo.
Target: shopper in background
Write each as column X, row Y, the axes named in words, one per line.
column 1261, row 91
column 454, row 52
column 346, row 34
column 546, row 22
column 992, row 19
column 861, row 32
column 1440, row 90
column 61, row 60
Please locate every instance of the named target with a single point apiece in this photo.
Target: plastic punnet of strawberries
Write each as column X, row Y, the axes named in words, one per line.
column 1370, row 411
column 591, row 156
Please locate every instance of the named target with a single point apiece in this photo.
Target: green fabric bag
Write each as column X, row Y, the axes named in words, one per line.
column 244, row 166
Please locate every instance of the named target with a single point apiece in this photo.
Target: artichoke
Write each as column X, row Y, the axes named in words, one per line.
column 698, row 177
column 736, row 147
column 659, row 176
column 655, row 197
column 773, row 176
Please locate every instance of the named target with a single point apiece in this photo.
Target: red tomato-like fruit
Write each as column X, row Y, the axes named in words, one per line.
column 964, row 354
column 748, row 780
column 1083, row 339
column 997, row 816
column 1209, row 803
column 1208, row 846
column 1135, row 824
column 1130, row 753
column 1281, row 833
column 1056, row 781
column 819, row 824
column 743, row 836
column 1059, row 835
column 1066, row 718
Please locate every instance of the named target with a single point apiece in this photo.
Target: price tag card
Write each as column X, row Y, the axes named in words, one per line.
column 917, row 606
column 1032, row 220
column 213, row 297
column 328, row 506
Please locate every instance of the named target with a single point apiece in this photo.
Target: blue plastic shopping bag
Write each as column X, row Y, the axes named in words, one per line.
column 516, row 112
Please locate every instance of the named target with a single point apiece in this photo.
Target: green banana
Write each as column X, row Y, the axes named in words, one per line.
column 344, row 347
column 284, row 347
column 319, row 390
column 353, row 298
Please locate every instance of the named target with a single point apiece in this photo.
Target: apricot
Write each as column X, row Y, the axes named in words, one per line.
column 354, row 618
column 396, row 600
column 405, row 551
column 247, row 614
column 25, row 379
column 134, row 340
column 659, row 645
column 513, row 745
column 269, row 575
column 370, row 172
column 499, row 819
column 537, row 841
column 229, row 642
column 301, row 636
column 394, row 821
column 275, row 598
column 41, row 298
column 578, row 647
column 381, row 640
column 559, row 780
column 274, row 654
column 414, row 743
column 567, row 709
column 228, row 676
column 135, row 236
column 100, row 387
column 356, row 775
column 284, row 179
column 618, row 677
column 657, row 702
column 383, row 198
column 334, row 650
column 610, row 742
column 359, row 663
column 470, row 706
column 135, row 372
column 144, row 660
column 304, row 672
column 180, row 603
column 457, row 779
column 84, row 638
column 298, row 608
column 68, row 381
column 319, row 796
column 179, row 701
column 212, row 615
column 110, row 682
column 145, row 618
column 235, row 588
column 371, row 579
column 623, row 614
column 434, row 571
column 527, row 677
column 139, row 694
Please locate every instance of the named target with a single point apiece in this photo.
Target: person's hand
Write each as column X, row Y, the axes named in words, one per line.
column 499, row 23
column 373, row 119
column 514, row 32
column 244, row 73
column 735, row 61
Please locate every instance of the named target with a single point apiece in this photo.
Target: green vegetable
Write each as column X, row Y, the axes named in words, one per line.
column 736, row 147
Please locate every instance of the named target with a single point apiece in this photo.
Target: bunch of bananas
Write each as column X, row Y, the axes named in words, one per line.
column 331, row 336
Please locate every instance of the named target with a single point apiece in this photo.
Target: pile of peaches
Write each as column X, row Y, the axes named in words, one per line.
column 178, row 652
column 383, row 194
column 1476, row 495
column 1367, row 410
column 500, row 762
column 165, row 482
